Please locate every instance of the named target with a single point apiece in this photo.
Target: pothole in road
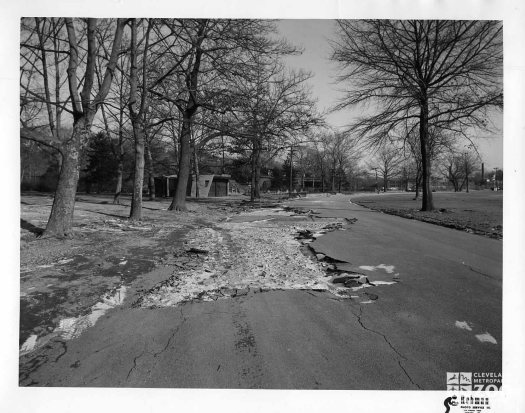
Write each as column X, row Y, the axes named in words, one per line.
column 342, row 272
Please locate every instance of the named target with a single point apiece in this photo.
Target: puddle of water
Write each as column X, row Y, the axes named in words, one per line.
column 69, row 328
column 464, row 325
column 38, row 312
column 486, row 338
column 128, row 269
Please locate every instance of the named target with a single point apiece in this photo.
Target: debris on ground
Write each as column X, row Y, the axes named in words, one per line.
column 222, row 252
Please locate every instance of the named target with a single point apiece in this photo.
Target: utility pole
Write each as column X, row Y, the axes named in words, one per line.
column 290, row 185
column 222, row 169
column 466, row 167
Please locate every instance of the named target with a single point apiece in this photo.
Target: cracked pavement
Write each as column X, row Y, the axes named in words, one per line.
column 297, row 335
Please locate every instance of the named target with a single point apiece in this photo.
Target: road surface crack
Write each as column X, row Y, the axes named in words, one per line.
column 323, row 297
column 135, row 362
column 359, row 320
column 408, row 376
column 64, row 348
column 479, row 272
column 175, row 331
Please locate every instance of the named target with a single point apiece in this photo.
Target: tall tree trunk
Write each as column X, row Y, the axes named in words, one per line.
column 138, row 128
column 45, row 76
column 58, row 110
column 333, row 178
column 418, row 182
column 189, row 111
column 196, row 169
column 427, row 203
column 149, row 170
column 120, row 168
column 84, row 109
column 60, row 222
column 253, row 183
column 179, row 198
column 138, row 173
column 290, row 173
column 258, row 176
column 256, row 171
column 120, row 147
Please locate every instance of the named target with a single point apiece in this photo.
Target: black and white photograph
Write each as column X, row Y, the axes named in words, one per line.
column 242, row 208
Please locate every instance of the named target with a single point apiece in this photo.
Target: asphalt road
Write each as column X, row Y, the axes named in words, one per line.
column 408, row 338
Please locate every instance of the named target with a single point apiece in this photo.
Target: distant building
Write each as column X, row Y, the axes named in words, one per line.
column 208, row 186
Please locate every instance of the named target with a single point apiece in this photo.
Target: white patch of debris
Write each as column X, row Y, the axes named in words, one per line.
column 486, row 338
column 241, row 256
column 464, row 325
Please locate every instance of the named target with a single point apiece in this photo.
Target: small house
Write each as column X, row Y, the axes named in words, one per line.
column 208, row 186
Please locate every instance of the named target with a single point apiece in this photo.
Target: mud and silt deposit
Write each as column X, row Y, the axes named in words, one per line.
column 253, row 251
column 258, row 251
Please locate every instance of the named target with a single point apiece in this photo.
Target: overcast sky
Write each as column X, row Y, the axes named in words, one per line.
column 312, row 36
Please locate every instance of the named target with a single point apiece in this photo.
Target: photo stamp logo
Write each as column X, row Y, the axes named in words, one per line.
column 450, row 401
column 459, row 381
column 478, row 381
column 466, row 404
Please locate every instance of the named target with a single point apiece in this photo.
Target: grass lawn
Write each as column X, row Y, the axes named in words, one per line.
column 480, row 212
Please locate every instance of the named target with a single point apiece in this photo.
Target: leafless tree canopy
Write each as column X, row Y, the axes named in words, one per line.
column 419, row 74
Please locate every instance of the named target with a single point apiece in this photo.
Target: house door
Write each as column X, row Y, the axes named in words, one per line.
column 218, row 188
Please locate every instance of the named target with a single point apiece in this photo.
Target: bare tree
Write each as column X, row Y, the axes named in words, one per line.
column 458, row 166
column 422, row 74
column 274, row 111
column 114, row 108
column 388, row 161
column 41, row 80
column 137, row 110
column 83, row 108
column 213, row 56
column 341, row 153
